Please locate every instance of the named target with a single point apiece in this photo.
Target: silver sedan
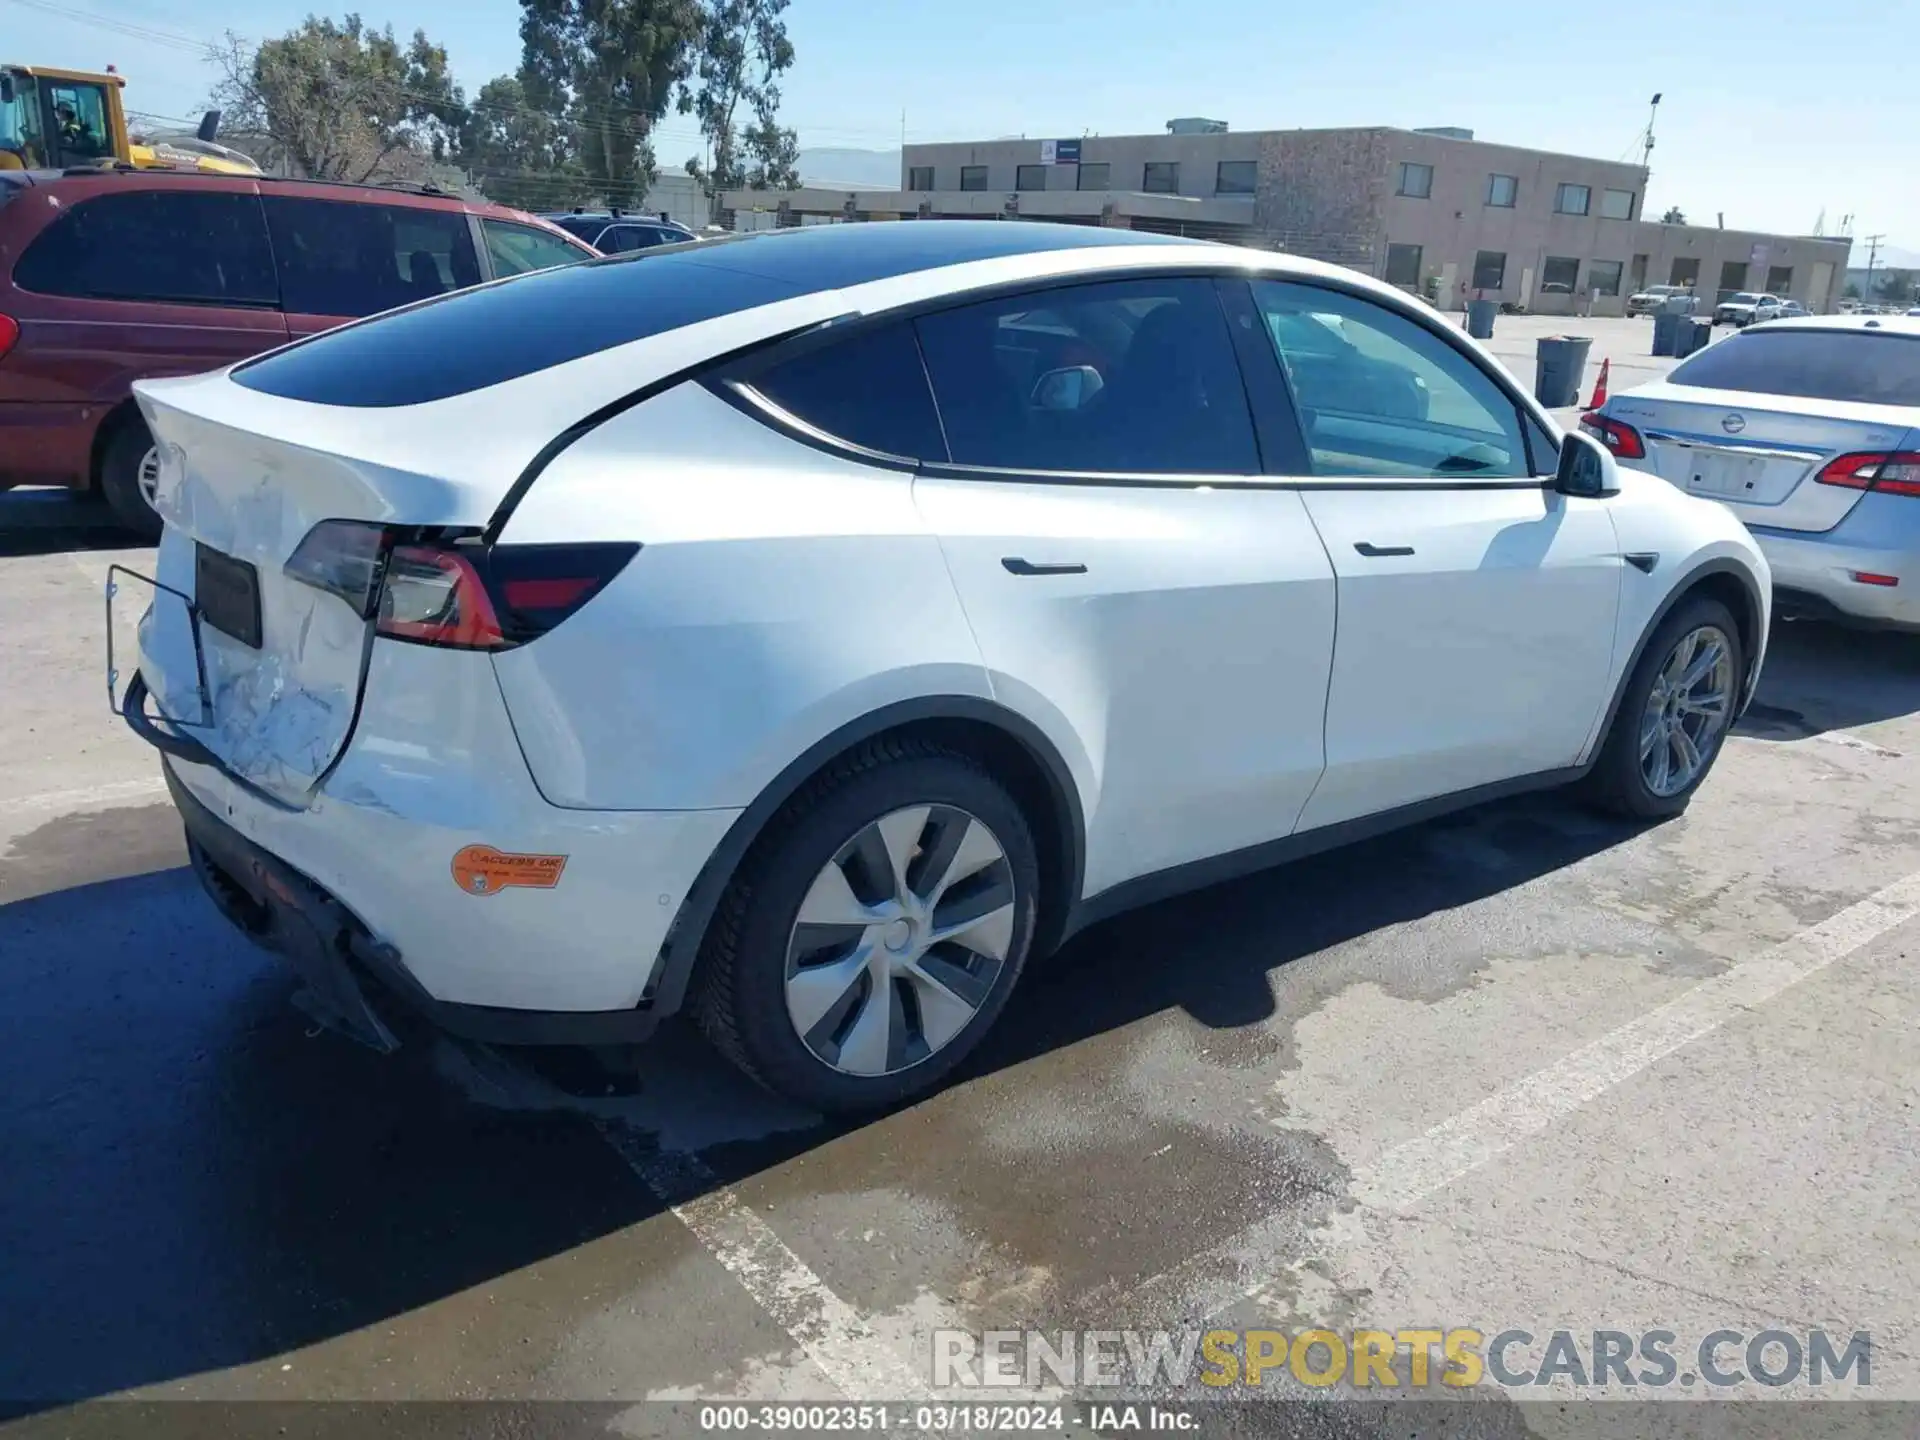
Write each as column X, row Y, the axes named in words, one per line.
column 1809, row 431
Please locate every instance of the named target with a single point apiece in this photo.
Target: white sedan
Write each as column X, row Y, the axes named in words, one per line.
column 811, row 629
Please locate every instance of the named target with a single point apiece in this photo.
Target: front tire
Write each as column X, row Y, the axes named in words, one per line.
column 875, row 931
column 1674, row 714
column 127, row 470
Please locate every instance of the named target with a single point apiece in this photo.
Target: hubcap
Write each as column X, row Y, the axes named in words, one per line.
column 899, row 940
column 1687, row 711
column 149, row 474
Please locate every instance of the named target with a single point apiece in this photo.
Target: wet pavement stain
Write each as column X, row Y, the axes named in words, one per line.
column 94, row 846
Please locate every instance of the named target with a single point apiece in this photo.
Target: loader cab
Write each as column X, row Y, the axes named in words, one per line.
column 52, row 120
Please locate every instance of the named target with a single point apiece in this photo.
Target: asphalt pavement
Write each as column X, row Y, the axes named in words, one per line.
column 1524, row 1069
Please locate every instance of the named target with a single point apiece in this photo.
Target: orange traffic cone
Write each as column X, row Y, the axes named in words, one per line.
column 1600, row 386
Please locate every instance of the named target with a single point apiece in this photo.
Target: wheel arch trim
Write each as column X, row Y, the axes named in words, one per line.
column 679, row 953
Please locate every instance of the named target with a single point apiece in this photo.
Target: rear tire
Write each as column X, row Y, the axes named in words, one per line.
column 823, row 976
column 1628, row 778
column 128, row 450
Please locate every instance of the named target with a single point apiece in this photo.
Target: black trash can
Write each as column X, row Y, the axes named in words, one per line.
column 1480, row 315
column 1694, row 335
column 1666, row 333
column 1559, row 365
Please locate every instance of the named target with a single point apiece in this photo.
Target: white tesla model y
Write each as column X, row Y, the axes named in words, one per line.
column 810, row 629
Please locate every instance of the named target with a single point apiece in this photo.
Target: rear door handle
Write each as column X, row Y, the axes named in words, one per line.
column 1375, row 552
column 1016, row 566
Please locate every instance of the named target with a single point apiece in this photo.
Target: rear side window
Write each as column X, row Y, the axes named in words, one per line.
column 516, row 249
column 1134, row 376
column 155, row 245
column 869, row 389
column 1875, row 369
column 339, row 258
column 499, row 332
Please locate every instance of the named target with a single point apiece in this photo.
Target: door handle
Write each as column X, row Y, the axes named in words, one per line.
column 1016, row 566
column 1375, row 552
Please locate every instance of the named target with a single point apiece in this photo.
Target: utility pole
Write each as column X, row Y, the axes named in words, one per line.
column 1873, row 254
column 1646, row 140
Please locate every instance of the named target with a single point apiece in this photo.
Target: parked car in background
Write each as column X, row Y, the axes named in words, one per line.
column 1809, row 431
column 1748, row 307
column 613, row 232
column 112, row 277
column 1654, row 299
column 1793, row 310
column 910, row 597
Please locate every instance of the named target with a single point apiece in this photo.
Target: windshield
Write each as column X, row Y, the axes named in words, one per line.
column 20, row 124
column 1861, row 365
column 1746, row 298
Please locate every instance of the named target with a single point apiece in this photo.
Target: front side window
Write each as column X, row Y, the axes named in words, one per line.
column 1235, row 177
column 1161, row 177
column 1616, row 204
column 1380, row 395
column 920, row 177
column 619, row 239
column 516, row 249
column 1559, row 276
column 1503, row 191
column 1489, row 270
column 973, row 177
column 1135, row 376
column 167, row 246
column 1094, row 177
column 1030, row 177
column 339, row 258
column 1603, row 277
column 1572, row 199
column 869, row 390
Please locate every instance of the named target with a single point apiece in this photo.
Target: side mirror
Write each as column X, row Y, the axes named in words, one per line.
column 209, row 126
column 6, row 89
column 1067, row 389
column 1585, row 467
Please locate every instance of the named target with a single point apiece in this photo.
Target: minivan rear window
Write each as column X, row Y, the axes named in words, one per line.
column 499, row 332
column 1873, row 368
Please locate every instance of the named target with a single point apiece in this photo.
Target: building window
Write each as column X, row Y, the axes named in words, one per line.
column 1161, row 177
column 1603, row 276
column 1638, row 280
column 920, row 177
column 1030, row 177
column 1733, row 277
column 973, row 177
column 1416, row 181
column 1489, row 270
column 1094, row 177
column 1234, row 177
column 1560, row 276
column 1573, row 200
column 1502, row 190
column 1779, row 279
column 1616, row 204
column 1403, row 266
column 1685, row 272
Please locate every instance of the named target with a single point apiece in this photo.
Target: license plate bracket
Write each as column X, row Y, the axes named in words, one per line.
column 227, row 594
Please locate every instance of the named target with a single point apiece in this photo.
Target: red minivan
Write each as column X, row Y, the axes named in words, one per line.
column 110, row 277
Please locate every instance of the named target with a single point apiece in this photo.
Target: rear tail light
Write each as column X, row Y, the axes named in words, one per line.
column 457, row 595
column 1891, row 472
column 1622, row 439
column 9, row 333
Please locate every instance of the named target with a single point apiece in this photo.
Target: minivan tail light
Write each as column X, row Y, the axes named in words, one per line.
column 1891, row 472
column 1622, row 439
column 9, row 333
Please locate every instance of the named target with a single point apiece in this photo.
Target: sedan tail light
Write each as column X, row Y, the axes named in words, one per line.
column 1890, row 472
column 450, row 594
column 1622, row 439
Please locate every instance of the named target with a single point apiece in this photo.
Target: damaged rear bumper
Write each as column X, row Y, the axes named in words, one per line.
column 350, row 976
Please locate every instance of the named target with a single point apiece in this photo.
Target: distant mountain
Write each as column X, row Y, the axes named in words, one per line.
column 833, row 169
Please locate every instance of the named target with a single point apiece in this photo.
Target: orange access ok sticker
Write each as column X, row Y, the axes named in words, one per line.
column 483, row 870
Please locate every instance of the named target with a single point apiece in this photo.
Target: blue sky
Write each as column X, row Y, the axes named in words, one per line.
column 1800, row 108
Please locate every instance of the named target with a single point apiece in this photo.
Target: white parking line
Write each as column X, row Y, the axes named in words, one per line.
column 1407, row 1174
column 861, row 1364
column 93, row 797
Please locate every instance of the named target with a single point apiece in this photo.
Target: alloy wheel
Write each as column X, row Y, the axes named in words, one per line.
column 1688, row 709
column 899, row 940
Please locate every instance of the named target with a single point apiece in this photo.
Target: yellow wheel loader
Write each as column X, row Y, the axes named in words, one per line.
column 64, row 119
